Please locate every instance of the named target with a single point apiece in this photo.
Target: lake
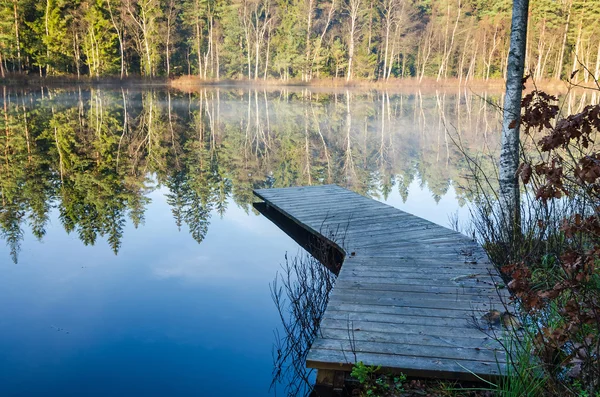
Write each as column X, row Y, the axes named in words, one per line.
column 132, row 261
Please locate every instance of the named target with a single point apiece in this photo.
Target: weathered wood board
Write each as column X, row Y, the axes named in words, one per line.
column 409, row 292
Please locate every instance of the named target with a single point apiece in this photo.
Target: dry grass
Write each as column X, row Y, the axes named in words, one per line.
column 406, row 85
column 23, row 80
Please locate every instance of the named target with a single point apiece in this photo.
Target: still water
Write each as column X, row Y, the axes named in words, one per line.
column 131, row 259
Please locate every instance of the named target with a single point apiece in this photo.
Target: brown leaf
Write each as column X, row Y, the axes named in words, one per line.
column 525, row 171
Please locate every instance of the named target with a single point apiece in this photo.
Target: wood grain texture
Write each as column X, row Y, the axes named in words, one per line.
column 410, row 293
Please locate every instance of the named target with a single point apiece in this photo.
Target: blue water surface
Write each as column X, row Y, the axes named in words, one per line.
column 167, row 316
column 160, row 310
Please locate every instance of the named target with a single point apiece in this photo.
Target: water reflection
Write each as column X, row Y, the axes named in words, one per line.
column 95, row 155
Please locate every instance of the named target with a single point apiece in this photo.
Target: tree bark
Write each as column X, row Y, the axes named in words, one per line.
column 597, row 71
column 267, row 54
column 578, row 43
column 509, row 154
column 17, row 39
column 354, row 9
column 119, row 37
column 428, row 38
column 247, row 37
column 47, row 38
column 540, row 51
column 388, row 10
column 168, row 41
column 564, row 43
column 320, row 42
column 307, row 72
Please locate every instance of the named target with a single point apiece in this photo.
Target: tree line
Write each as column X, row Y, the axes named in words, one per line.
column 293, row 39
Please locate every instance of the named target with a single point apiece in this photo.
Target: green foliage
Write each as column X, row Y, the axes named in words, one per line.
column 288, row 39
column 375, row 384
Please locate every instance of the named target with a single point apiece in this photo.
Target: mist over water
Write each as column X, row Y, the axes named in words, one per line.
column 132, row 260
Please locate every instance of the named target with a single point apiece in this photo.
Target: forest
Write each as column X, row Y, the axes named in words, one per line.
column 294, row 39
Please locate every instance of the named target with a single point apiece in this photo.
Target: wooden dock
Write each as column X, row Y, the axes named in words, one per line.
column 408, row 294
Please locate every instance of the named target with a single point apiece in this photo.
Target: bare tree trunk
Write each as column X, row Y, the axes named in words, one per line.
column 597, row 71
column 403, row 65
column 545, row 61
column 17, row 39
column 354, row 8
column 199, row 46
column 320, row 42
column 149, row 69
column 587, row 62
column 492, row 51
column 564, row 43
column 387, row 73
column 509, row 154
column 307, row 72
column 446, row 60
column 247, row 37
column 388, row 9
column 218, row 66
column 426, row 57
column 445, row 43
column 260, row 31
column 256, row 55
column 463, row 57
column 142, row 23
column 267, row 54
column 540, row 50
column 578, row 42
column 212, row 47
column 119, row 36
column 168, row 40
column 47, row 37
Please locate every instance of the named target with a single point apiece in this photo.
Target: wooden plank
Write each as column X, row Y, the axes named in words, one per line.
column 455, row 332
column 426, row 239
column 449, row 258
column 393, row 252
column 374, row 222
column 417, row 272
column 418, row 265
column 446, row 293
column 399, row 310
column 402, row 287
column 409, row 290
column 381, row 299
column 407, row 349
column 309, row 212
column 460, row 322
column 393, row 337
column 462, row 283
column 463, row 280
column 410, row 365
column 386, row 224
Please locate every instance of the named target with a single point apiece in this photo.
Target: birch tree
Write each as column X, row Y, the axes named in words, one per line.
column 144, row 15
column 353, row 7
column 509, row 154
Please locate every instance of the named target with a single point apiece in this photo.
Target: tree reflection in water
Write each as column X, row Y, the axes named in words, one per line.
column 300, row 292
column 94, row 155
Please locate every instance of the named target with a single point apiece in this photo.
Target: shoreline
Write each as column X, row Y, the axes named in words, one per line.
column 191, row 84
column 400, row 85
